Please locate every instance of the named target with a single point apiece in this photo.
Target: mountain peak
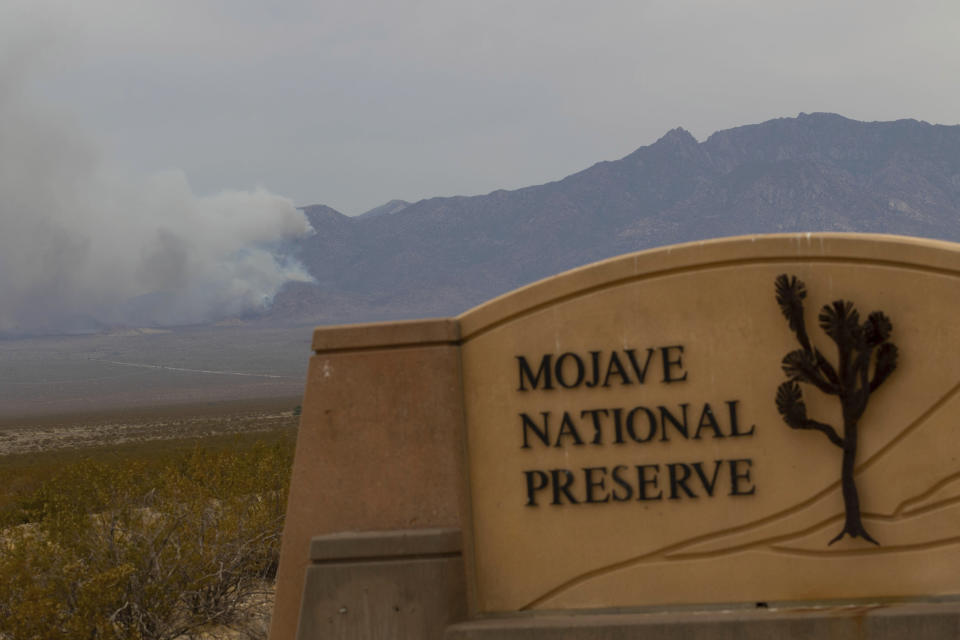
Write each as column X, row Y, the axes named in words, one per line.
column 322, row 215
column 678, row 135
column 320, row 210
column 386, row 209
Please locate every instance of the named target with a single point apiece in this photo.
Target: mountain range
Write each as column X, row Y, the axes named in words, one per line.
column 814, row 172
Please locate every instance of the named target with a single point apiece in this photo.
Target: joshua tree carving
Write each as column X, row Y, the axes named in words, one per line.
column 860, row 348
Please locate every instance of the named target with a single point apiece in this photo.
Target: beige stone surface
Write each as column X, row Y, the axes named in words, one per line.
column 379, row 446
column 385, row 334
column 716, row 300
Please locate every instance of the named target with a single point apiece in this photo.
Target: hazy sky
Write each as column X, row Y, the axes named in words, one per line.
column 353, row 103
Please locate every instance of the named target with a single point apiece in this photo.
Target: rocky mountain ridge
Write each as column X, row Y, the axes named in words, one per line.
column 815, row 172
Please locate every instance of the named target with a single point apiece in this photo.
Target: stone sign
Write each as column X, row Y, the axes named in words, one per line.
column 748, row 420
column 767, row 419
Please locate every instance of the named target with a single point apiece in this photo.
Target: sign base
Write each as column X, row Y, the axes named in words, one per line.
column 874, row 621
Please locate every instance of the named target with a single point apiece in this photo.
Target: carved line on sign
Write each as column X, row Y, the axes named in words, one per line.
column 772, row 541
column 919, row 511
column 720, row 264
column 754, row 544
column 885, row 550
column 665, row 551
column 902, row 507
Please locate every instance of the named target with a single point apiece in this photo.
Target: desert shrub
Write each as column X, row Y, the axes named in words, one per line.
column 144, row 549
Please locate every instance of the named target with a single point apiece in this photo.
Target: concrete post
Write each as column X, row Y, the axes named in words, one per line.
column 396, row 585
column 380, row 442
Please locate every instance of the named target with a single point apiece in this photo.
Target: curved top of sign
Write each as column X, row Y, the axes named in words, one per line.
column 893, row 250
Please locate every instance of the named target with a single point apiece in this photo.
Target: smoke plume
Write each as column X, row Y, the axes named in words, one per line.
column 84, row 245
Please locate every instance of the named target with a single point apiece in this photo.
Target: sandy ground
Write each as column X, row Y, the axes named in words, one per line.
column 71, row 374
column 81, row 430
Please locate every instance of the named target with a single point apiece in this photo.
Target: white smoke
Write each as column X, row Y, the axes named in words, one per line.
column 83, row 244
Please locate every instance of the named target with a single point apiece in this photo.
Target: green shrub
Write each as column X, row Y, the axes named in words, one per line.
column 144, row 549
